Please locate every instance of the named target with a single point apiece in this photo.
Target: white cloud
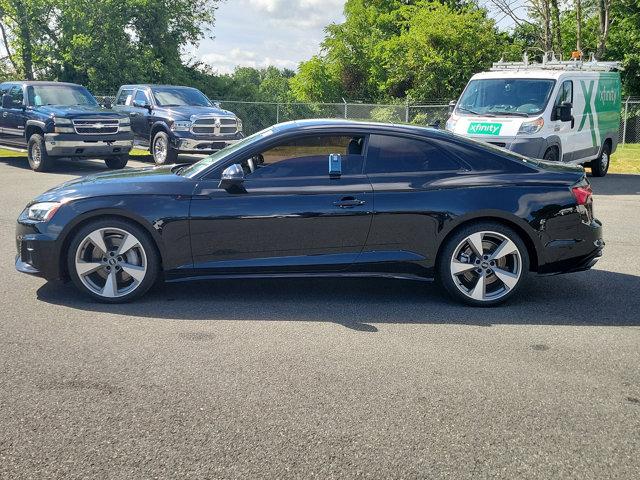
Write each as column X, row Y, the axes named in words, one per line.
column 258, row 33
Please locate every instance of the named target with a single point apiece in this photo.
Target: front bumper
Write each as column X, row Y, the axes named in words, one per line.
column 37, row 253
column 187, row 142
column 74, row 145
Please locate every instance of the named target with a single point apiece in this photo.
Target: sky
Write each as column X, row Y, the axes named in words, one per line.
column 258, row 33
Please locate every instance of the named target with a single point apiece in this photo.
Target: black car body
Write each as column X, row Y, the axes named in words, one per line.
column 370, row 211
column 190, row 121
column 67, row 121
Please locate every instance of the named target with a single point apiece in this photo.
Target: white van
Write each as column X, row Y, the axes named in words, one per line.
column 559, row 111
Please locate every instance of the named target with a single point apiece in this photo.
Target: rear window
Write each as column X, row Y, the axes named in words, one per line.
column 394, row 154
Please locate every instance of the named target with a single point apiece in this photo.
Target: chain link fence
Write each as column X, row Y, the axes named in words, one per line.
column 259, row 115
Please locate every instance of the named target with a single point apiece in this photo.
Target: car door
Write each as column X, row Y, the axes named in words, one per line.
column 290, row 215
column 13, row 118
column 4, row 88
column 564, row 130
column 139, row 114
column 408, row 175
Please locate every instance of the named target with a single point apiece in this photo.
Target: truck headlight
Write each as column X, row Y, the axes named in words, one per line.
column 43, row 211
column 531, row 127
column 239, row 124
column 451, row 123
column 124, row 122
column 181, row 126
column 63, row 125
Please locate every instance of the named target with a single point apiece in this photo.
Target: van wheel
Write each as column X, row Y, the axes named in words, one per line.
column 116, row 163
column 39, row 159
column 163, row 153
column 551, row 155
column 600, row 166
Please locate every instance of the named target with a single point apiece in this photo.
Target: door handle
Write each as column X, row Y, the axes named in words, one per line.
column 4, row 114
column 348, row 202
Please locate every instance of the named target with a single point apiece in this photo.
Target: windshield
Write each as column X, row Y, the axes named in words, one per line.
column 59, row 95
column 509, row 96
column 202, row 165
column 179, row 96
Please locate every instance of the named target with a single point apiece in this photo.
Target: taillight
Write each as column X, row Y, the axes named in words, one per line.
column 582, row 194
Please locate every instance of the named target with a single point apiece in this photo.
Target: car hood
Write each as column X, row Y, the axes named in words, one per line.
column 185, row 112
column 131, row 181
column 75, row 111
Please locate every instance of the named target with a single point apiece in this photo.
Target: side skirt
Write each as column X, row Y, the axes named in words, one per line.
column 397, row 276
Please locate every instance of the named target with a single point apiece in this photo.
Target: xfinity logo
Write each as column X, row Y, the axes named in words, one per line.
column 484, row 128
column 607, row 95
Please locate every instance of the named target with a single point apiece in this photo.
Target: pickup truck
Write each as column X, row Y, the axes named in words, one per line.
column 170, row 120
column 54, row 120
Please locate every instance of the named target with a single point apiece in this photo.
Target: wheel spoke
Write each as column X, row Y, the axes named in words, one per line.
column 127, row 244
column 110, row 288
column 98, row 240
column 479, row 290
column 509, row 279
column 85, row 268
column 458, row 267
column 135, row 271
column 505, row 248
column 475, row 242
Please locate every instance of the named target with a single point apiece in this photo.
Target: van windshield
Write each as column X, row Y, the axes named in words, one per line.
column 505, row 96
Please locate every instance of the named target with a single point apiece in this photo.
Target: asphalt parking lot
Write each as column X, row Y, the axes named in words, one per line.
column 322, row 378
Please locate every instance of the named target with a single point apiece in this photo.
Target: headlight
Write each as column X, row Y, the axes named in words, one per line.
column 451, row 123
column 239, row 124
column 63, row 125
column 125, row 122
column 181, row 126
column 41, row 212
column 531, row 127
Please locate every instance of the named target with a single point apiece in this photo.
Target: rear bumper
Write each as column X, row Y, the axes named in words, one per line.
column 74, row 145
column 576, row 254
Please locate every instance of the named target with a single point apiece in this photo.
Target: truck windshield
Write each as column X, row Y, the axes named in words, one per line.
column 59, row 95
column 508, row 96
column 179, row 96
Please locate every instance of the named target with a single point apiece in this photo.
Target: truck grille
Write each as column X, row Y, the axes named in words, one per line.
column 214, row 126
column 96, row 126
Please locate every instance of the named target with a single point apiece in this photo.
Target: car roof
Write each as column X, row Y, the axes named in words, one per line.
column 40, row 82
column 319, row 124
column 152, row 85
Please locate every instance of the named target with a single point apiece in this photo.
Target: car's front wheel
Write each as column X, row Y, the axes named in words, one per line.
column 163, row 152
column 39, row 159
column 483, row 264
column 113, row 260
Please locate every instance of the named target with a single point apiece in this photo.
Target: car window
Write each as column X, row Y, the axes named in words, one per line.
column 17, row 96
column 4, row 88
column 390, row 154
column 124, row 98
column 307, row 156
column 565, row 94
column 141, row 97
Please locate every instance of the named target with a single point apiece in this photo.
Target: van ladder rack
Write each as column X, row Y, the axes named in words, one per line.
column 552, row 64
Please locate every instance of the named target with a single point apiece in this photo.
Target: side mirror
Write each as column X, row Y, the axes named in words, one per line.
column 564, row 111
column 7, row 102
column 232, row 176
column 452, row 106
column 139, row 104
column 335, row 165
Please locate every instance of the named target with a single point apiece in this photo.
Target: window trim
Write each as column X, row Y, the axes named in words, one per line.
column 431, row 141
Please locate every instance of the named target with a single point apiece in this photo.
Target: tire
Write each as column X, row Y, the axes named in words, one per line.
column 458, row 252
column 111, row 277
column 600, row 166
column 116, row 163
column 163, row 153
column 551, row 155
column 39, row 159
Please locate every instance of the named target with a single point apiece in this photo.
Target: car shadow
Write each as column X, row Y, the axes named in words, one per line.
column 593, row 298
column 616, row 184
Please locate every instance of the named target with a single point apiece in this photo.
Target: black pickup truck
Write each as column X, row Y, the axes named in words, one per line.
column 54, row 120
column 172, row 119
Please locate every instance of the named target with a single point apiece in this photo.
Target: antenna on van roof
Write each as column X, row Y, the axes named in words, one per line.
column 550, row 62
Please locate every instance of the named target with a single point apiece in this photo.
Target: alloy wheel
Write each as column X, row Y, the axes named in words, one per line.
column 111, row 262
column 36, row 154
column 604, row 161
column 160, row 149
column 486, row 265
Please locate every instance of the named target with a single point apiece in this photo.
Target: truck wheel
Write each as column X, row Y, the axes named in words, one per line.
column 600, row 166
column 551, row 155
column 163, row 153
column 39, row 159
column 116, row 163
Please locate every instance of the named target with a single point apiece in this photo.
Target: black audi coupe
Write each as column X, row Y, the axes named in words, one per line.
column 320, row 198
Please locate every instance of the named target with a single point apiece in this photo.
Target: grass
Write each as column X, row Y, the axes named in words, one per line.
column 626, row 159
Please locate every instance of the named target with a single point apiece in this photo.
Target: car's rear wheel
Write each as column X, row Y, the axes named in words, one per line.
column 39, row 159
column 600, row 166
column 483, row 264
column 116, row 163
column 552, row 154
column 163, row 152
column 113, row 260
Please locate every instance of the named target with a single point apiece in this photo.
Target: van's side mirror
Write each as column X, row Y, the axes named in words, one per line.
column 452, row 106
column 564, row 111
column 7, row 101
column 335, row 165
column 232, row 177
